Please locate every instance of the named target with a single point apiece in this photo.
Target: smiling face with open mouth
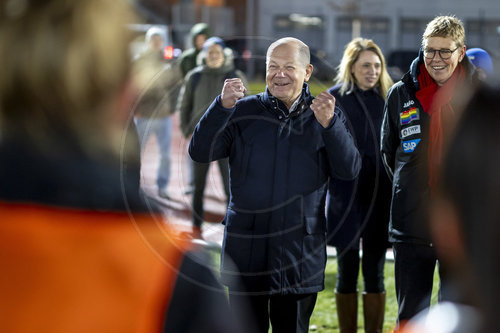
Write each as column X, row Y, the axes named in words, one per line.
column 442, row 69
column 286, row 72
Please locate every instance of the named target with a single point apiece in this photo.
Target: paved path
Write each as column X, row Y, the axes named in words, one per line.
column 178, row 209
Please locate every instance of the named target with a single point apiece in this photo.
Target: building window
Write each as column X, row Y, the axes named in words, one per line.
column 484, row 34
column 368, row 25
column 410, row 25
column 483, row 26
column 298, row 22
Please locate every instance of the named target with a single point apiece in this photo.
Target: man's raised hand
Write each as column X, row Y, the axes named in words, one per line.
column 323, row 107
column 232, row 91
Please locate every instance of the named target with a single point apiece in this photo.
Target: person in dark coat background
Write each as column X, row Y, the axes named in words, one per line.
column 283, row 145
column 201, row 86
column 360, row 208
column 199, row 33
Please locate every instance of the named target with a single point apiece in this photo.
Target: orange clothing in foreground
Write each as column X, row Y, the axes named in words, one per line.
column 66, row 270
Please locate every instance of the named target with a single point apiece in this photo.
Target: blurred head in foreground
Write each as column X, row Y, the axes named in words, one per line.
column 65, row 72
column 465, row 218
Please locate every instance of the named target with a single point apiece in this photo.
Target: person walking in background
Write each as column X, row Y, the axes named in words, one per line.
column 201, row 86
column 199, row 33
column 482, row 60
column 159, row 83
column 418, row 115
column 360, row 208
column 282, row 146
column 81, row 251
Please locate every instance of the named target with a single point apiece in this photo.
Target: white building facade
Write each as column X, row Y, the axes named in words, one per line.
column 328, row 25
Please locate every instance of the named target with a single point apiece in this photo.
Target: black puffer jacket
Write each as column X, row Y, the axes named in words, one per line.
column 404, row 142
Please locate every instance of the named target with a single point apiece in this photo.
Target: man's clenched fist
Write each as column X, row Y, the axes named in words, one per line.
column 323, row 107
column 232, row 91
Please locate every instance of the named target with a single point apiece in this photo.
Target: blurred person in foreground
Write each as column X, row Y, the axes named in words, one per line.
column 359, row 209
column 482, row 60
column 80, row 250
column 418, row 114
column 465, row 222
column 159, row 83
column 201, row 86
column 283, row 145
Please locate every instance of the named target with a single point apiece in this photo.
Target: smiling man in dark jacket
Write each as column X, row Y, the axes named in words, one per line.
column 282, row 145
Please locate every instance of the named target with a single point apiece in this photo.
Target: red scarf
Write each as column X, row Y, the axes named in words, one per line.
column 436, row 103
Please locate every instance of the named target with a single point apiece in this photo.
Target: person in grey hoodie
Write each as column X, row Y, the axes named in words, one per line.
column 199, row 34
column 201, row 86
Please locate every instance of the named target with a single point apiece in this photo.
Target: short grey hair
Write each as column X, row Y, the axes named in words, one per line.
column 303, row 49
column 446, row 27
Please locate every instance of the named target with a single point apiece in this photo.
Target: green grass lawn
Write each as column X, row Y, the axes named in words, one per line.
column 324, row 317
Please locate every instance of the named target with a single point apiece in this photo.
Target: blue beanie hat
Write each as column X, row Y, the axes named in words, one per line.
column 213, row 40
column 481, row 59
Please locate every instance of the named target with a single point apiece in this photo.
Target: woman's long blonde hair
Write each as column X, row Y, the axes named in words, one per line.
column 351, row 54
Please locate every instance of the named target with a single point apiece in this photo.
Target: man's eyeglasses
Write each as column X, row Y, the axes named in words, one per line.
column 444, row 54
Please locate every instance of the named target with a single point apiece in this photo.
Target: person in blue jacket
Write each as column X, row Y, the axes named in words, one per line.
column 283, row 145
column 482, row 61
column 359, row 209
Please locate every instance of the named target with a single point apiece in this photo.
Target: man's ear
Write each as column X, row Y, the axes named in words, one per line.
column 309, row 71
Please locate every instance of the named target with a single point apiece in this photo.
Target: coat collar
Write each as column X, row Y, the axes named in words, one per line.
column 274, row 104
column 356, row 89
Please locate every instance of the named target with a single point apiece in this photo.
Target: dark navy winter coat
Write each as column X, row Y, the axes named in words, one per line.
column 360, row 208
column 275, row 228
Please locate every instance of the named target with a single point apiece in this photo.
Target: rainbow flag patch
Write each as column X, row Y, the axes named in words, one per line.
column 409, row 115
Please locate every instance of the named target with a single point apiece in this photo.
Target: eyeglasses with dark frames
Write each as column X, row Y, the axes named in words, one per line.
column 444, row 54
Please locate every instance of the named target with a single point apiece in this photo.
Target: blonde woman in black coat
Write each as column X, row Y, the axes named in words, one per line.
column 359, row 209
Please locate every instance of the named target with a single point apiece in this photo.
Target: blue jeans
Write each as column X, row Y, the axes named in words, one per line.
column 162, row 128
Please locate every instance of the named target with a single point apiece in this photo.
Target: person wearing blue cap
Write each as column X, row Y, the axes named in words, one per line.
column 482, row 60
column 201, row 86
